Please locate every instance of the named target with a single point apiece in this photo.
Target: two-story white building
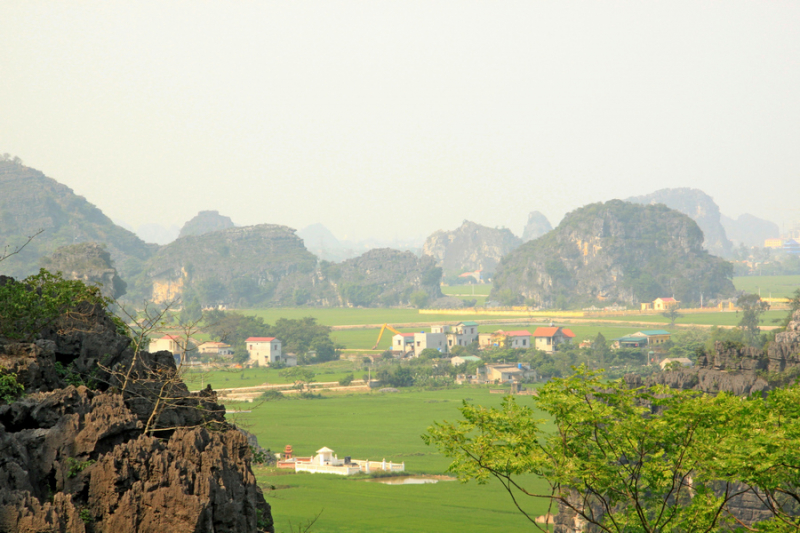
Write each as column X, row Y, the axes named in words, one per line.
column 403, row 343
column 435, row 341
column 264, row 350
column 548, row 338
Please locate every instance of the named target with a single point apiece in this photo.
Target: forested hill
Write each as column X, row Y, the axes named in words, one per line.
column 30, row 201
column 614, row 252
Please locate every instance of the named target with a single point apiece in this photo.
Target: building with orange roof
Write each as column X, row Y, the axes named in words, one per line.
column 547, row 338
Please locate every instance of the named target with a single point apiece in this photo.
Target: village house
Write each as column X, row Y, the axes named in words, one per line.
column 435, row 341
column 215, row 348
column 264, row 350
column 403, row 343
column 548, row 338
column 461, row 359
column 177, row 346
column 510, row 372
column 654, row 336
column 500, row 338
column 660, row 304
column 628, row 342
column 462, row 334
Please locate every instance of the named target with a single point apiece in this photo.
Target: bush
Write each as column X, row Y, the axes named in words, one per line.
column 10, row 389
column 347, row 380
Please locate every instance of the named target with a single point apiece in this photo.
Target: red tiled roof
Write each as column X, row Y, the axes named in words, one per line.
column 407, row 334
column 545, row 332
column 668, row 299
column 259, row 339
column 567, row 333
column 171, row 337
column 518, row 333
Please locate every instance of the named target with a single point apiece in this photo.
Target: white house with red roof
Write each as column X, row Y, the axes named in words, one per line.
column 519, row 339
column 171, row 343
column 661, row 304
column 264, row 350
column 547, row 338
column 404, row 342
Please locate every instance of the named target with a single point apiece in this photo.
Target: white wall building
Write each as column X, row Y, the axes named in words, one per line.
column 436, row 341
column 264, row 350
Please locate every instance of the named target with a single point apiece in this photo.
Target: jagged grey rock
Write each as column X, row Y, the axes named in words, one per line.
column 537, row 226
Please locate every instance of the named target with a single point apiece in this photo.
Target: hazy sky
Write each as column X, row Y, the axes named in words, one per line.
column 395, row 119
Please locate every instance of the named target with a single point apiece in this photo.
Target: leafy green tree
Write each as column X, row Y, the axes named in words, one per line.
column 429, row 353
column 303, row 335
column 396, row 376
column 191, row 312
column 752, row 308
column 39, row 301
column 234, row 328
column 650, row 460
column 672, row 314
column 419, row 299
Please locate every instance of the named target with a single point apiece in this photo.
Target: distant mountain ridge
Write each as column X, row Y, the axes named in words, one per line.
column 750, row 230
column 470, row 247
column 30, row 201
column 205, row 222
column 537, row 226
column 700, row 207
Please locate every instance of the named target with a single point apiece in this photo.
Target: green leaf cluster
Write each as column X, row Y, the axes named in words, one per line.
column 39, row 301
column 646, row 460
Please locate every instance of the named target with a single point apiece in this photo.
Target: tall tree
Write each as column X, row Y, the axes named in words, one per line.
column 752, row 307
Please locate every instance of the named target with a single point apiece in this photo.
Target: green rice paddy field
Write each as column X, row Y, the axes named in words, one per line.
column 774, row 286
column 376, row 426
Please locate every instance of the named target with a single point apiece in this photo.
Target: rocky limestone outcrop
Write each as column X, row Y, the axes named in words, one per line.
column 90, row 263
column 537, row 226
column 261, row 264
column 205, row 222
column 700, row 207
column 108, row 439
column 470, row 247
column 614, row 252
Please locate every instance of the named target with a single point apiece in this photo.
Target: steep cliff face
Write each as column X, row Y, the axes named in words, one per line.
column 253, row 264
column 30, row 201
column 106, row 439
column 700, row 207
column 470, row 247
column 90, row 263
column 537, row 226
column 205, row 222
column 750, row 230
column 615, row 251
column 382, row 277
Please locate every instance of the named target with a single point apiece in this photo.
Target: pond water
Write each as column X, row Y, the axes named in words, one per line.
column 410, row 480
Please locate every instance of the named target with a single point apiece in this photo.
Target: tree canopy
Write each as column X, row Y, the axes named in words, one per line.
column 647, row 460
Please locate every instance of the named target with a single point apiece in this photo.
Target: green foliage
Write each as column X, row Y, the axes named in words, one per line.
column 298, row 373
column 273, row 395
column 234, row 328
column 75, row 467
column 191, row 312
column 419, row 299
column 645, row 459
column 69, row 374
column 396, row 376
column 303, row 336
column 347, row 380
column 752, row 308
column 86, row 516
column 10, row 388
column 359, row 295
column 39, row 301
column 672, row 314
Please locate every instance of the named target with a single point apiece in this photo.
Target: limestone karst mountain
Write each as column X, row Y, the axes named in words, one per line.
column 537, row 226
column 30, row 201
column 90, row 263
column 749, row 230
column 614, row 252
column 700, row 207
column 470, row 247
column 205, row 222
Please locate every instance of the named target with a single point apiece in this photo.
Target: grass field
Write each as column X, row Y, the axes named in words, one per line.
column 343, row 316
column 479, row 293
column 250, row 377
column 376, row 426
column 769, row 286
column 711, row 319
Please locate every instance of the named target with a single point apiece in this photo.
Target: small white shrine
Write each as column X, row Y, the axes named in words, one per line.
column 327, row 462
